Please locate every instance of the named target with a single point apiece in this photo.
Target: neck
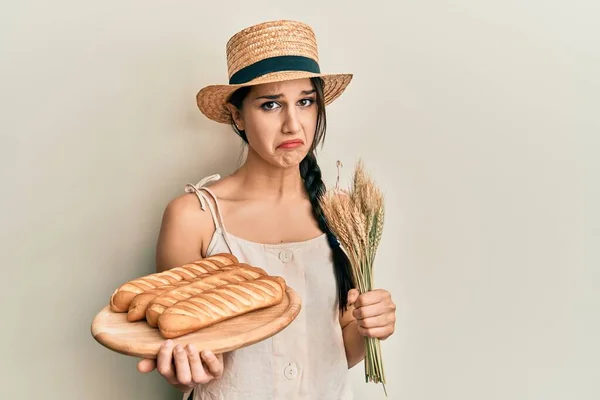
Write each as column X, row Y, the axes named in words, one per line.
column 259, row 178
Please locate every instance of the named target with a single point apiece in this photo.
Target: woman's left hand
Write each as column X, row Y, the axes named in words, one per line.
column 375, row 313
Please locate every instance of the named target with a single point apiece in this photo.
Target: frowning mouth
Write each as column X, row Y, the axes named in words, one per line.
column 290, row 144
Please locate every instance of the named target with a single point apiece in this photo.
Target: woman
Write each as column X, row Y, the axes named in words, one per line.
column 275, row 102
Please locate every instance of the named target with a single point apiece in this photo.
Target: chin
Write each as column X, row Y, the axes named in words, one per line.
column 290, row 159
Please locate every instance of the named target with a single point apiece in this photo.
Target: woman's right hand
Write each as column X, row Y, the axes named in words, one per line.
column 184, row 367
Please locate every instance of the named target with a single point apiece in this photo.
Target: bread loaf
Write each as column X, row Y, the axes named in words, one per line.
column 160, row 303
column 139, row 304
column 122, row 296
column 142, row 300
column 225, row 258
column 219, row 304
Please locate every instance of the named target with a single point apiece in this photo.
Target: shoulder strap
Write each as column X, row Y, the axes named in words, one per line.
column 201, row 191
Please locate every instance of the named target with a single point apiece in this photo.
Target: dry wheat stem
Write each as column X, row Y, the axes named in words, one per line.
column 356, row 217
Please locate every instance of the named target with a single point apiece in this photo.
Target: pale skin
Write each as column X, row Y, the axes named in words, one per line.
column 266, row 189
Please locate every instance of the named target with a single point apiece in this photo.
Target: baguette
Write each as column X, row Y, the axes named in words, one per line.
column 220, row 304
column 139, row 304
column 122, row 296
column 159, row 304
column 225, row 258
column 140, row 301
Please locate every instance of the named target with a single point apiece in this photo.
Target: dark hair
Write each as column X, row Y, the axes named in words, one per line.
column 315, row 188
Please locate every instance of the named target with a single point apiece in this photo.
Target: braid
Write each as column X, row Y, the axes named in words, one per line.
column 315, row 188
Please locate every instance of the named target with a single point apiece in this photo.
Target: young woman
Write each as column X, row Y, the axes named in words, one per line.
column 275, row 102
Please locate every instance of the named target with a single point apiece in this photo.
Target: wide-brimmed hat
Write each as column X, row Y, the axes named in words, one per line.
column 269, row 52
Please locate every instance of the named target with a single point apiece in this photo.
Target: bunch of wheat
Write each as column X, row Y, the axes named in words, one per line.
column 356, row 216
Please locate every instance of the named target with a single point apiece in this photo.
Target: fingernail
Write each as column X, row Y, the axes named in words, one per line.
column 169, row 342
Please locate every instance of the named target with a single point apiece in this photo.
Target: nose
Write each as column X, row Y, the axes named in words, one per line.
column 291, row 124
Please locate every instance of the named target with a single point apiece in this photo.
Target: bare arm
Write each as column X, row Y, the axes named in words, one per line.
column 354, row 343
column 184, row 228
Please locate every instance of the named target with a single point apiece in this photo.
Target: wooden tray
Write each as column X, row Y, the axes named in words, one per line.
column 112, row 330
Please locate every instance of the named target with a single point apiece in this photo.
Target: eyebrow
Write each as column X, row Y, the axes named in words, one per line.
column 277, row 96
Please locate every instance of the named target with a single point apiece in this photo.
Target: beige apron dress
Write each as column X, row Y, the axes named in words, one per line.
column 306, row 360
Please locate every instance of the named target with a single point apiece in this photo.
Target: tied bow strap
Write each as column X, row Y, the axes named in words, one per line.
column 189, row 188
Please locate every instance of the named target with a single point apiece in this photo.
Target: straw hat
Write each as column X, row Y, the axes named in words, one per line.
column 269, row 52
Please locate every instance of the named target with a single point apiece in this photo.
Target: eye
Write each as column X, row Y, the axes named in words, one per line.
column 269, row 105
column 306, row 102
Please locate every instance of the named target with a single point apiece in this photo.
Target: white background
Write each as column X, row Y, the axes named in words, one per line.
column 479, row 120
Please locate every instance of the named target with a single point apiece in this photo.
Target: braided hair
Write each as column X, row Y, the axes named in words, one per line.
column 315, row 188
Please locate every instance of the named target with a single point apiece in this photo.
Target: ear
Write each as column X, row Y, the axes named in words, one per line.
column 237, row 116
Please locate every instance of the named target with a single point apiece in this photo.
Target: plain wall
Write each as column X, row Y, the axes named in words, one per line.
column 478, row 119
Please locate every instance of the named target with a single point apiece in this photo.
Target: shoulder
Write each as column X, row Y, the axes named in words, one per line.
column 185, row 212
column 187, row 206
column 185, row 230
column 183, row 206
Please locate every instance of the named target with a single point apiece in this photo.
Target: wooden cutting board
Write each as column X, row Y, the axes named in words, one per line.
column 112, row 330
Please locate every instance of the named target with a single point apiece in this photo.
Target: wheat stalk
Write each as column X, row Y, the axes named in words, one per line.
column 356, row 217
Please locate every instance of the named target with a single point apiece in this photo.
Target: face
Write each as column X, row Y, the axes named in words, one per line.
column 279, row 120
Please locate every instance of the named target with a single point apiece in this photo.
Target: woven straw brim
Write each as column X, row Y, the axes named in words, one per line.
column 212, row 100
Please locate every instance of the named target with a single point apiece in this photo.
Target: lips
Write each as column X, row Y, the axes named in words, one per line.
column 290, row 144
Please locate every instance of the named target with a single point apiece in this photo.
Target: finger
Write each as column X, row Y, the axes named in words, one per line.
column 372, row 297
column 164, row 362
column 214, row 364
column 352, row 296
column 146, row 365
column 196, row 367
column 380, row 333
column 182, row 365
column 376, row 322
column 371, row 311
